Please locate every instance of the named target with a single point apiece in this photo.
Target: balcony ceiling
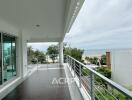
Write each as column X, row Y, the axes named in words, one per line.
column 39, row 20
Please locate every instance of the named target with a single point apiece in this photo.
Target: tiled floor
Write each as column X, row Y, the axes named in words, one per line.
column 39, row 86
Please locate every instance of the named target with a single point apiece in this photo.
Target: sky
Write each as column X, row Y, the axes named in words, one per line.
column 41, row 46
column 100, row 24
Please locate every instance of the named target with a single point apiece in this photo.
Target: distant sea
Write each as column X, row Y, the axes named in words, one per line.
column 94, row 52
column 100, row 52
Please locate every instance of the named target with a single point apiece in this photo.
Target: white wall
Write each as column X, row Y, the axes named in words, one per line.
column 21, row 43
column 21, row 57
column 122, row 67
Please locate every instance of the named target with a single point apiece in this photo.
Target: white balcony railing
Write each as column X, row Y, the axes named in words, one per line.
column 96, row 85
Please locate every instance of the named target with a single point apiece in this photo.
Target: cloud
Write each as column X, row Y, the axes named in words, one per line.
column 102, row 24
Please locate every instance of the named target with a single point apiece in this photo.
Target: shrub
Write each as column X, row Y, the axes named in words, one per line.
column 106, row 71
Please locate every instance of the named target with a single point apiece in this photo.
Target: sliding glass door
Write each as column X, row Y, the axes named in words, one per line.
column 9, row 57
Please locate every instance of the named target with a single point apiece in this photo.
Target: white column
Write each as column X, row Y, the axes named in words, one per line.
column 61, row 53
column 22, row 55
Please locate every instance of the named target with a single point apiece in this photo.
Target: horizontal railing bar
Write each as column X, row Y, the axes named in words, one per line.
column 85, row 72
column 86, row 83
column 76, row 65
column 96, row 96
column 100, row 92
column 107, row 91
column 77, row 69
column 77, row 72
column 86, row 79
column 110, row 82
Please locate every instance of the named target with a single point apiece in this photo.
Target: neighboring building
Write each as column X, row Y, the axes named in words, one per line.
column 121, row 65
column 120, row 62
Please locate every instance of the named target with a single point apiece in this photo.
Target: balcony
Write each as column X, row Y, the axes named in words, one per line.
column 72, row 81
column 28, row 21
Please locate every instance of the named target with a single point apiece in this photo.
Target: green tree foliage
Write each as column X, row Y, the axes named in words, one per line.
column 74, row 52
column 40, row 56
column 93, row 60
column 30, row 54
column 103, row 60
column 87, row 58
column 52, row 51
column 106, row 71
column 35, row 56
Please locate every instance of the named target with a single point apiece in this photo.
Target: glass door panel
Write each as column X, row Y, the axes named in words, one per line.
column 9, row 57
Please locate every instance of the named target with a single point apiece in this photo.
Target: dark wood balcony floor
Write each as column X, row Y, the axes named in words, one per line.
column 39, row 87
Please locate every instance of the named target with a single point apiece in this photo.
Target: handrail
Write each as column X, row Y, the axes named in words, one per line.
column 110, row 82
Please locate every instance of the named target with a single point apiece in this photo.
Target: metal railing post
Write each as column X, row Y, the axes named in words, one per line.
column 74, row 68
column 68, row 60
column 37, row 64
column 92, row 86
column 80, row 73
column 71, row 64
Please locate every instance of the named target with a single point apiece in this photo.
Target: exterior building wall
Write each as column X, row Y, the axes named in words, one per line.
column 122, row 67
column 16, row 80
column 21, row 64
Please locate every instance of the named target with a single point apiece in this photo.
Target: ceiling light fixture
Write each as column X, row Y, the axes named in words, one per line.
column 37, row 25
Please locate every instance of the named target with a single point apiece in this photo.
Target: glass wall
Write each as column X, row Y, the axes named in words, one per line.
column 7, row 57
